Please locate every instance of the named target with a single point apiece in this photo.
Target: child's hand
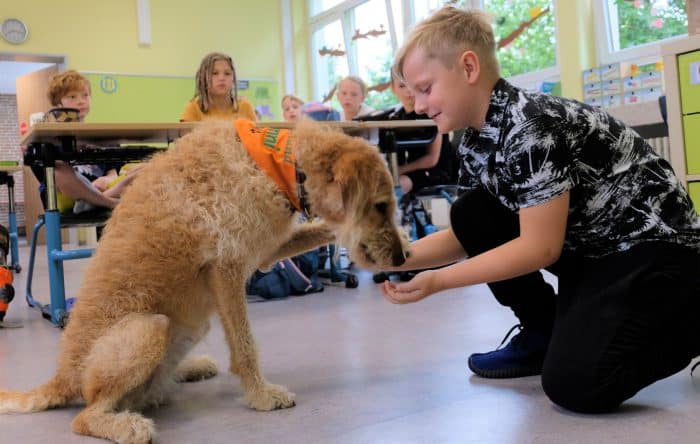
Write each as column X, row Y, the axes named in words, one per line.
column 422, row 285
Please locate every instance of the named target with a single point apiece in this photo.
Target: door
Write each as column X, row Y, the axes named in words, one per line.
column 32, row 97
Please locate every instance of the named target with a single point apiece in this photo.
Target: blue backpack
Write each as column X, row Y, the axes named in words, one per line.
column 297, row 275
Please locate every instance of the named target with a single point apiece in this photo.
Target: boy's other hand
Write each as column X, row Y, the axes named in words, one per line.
column 422, row 285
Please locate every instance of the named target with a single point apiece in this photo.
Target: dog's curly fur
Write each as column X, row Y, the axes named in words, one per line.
column 196, row 222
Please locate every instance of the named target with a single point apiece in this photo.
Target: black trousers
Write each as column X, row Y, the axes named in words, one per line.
column 618, row 323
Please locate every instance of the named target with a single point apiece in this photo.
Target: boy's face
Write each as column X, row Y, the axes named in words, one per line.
column 221, row 79
column 291, row 110
column 79, row 99
column 445, row 95
column 350, row 96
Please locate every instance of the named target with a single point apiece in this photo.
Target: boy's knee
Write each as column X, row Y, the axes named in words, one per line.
column 578, row 393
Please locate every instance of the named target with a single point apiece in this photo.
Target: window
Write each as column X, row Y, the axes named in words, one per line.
column 330, row 63
column 526, row 30
column 360, row 37
column 633, row 28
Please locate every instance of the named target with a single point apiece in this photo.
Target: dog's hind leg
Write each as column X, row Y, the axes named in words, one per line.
column 119, row 362
column 227, row 282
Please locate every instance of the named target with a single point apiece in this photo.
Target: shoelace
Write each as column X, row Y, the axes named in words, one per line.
column 692, row 369
column 512, row 329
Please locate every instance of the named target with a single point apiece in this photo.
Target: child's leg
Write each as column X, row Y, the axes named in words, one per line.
column 481, row 223
column 623, row 322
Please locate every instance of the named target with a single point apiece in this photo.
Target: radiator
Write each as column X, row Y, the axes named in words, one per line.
column 661, row 146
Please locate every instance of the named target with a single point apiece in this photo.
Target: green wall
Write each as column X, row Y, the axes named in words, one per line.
column 102, row 37
column 132, row 98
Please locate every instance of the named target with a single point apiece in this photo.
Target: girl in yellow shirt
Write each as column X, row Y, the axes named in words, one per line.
column 216, row 93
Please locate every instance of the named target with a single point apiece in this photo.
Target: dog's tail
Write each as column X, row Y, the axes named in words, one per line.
column 54, row 393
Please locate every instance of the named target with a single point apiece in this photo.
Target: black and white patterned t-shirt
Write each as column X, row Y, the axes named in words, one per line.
column 534, row 147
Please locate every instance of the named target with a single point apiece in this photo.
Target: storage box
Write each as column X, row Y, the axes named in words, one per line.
column 616, row 71
column 611, row 87
column 631, row 97
column 612, row 100
column 651, row 79
column 594, row 102
column 590, row 76
column 631, row 83
column 592, row 91
column 657, row 66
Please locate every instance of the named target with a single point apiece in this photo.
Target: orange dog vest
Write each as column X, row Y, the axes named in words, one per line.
column 272, row 150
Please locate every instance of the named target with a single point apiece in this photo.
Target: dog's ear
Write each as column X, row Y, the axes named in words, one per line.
column 347, row 173
column 340, row 189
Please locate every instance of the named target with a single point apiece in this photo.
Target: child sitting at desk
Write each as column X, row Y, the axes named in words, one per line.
column 76, row 185
column 216, row 92
column 291, row 108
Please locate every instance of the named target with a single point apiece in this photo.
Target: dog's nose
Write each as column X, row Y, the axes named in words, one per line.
column 398, row 258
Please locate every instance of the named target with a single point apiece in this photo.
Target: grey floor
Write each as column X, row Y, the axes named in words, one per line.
column 363, row 370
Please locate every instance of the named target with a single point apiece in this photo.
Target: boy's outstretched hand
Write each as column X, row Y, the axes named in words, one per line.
column 422, row 285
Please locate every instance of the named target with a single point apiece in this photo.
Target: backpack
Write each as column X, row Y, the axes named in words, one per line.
column 297, row 275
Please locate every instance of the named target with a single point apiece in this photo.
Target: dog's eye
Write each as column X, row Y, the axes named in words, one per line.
column 381, row 207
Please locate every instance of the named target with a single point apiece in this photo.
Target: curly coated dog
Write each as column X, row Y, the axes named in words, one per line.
column 192, row 227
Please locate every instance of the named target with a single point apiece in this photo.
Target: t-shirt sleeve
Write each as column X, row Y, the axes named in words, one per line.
column 246, row 110
column 539, row 161
column 191, row 113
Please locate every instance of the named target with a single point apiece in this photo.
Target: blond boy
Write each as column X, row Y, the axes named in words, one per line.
column 559, row 185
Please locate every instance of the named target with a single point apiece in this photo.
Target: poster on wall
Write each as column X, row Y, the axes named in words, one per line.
column 264, row 95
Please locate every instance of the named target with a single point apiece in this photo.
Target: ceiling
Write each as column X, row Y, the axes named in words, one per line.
column 9, row 71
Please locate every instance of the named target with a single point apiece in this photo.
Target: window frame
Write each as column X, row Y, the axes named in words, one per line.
column 604, row 40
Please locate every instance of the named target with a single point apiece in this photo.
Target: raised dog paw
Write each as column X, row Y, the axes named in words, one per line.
column 271, row 397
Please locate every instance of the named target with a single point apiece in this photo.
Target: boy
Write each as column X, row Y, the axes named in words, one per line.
column 71, row 89
column 559, row 185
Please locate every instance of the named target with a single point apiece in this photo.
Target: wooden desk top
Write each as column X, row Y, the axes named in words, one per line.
column 117, row 133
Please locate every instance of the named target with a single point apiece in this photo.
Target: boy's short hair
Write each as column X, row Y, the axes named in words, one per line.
column 61, row 84
column 359, row 81
column 293, row 98
column 449, row 32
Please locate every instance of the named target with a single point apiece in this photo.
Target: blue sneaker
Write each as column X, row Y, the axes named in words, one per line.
column 523, row 356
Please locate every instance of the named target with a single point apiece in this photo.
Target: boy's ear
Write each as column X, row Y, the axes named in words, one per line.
column 469, row 62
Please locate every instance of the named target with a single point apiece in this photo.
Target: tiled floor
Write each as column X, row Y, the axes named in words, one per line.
column 364, row 371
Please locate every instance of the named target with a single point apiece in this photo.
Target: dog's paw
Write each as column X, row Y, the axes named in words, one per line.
column 138, row 430
column 271, row 397
column 266, row 267
column 196, row 369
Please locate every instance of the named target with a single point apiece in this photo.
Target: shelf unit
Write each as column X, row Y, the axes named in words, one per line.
column 678, row 147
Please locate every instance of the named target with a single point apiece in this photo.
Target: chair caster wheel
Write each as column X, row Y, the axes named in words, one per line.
column 351, row 281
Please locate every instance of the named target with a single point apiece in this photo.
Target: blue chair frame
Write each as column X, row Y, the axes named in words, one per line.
column 41, row 154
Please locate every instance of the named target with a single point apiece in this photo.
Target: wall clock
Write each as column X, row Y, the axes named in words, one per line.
column 14, row 31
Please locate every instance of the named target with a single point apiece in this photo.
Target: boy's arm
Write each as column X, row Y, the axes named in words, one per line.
column 542, row 232
column 434, row 250
column 68, row 182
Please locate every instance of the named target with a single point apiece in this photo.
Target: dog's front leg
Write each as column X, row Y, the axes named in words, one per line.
column 305, row 237
column 228, row 285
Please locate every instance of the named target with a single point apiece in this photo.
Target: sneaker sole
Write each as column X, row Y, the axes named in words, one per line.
column 505, row 373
